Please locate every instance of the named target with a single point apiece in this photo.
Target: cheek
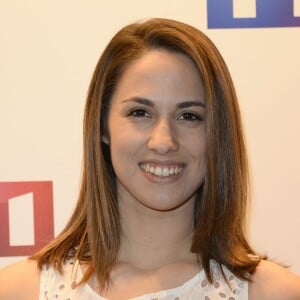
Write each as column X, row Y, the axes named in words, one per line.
column 124, row 147
column 196, row 144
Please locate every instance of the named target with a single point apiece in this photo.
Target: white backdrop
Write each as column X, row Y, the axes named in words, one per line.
column 48, row 50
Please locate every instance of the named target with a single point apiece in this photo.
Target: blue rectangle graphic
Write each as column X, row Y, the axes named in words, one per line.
column 269, row 13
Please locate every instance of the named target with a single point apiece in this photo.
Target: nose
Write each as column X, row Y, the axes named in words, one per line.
column 163, row 138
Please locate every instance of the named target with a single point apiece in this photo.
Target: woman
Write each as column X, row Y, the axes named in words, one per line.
column 164, row 190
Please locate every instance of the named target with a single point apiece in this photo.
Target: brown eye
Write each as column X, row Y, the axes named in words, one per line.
column 139, row 113
column 191, row 117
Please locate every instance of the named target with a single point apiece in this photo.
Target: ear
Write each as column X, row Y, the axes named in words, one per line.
column 105, row 139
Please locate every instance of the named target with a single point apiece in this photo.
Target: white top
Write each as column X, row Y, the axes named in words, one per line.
column 54, row 285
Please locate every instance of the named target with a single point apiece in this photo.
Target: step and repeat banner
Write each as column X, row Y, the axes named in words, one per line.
column 48, row 52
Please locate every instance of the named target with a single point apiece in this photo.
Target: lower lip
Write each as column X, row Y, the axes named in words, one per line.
column 162, row 179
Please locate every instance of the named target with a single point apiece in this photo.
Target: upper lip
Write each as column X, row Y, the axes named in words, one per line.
column 162, row 162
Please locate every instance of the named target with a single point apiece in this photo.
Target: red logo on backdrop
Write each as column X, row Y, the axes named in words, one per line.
column 26, row 208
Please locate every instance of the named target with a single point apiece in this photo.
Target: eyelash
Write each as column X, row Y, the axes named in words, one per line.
column 185, row 116
column 139, row 113
column 190, row 117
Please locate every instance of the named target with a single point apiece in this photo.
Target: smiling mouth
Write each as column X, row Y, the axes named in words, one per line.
column 161, row 171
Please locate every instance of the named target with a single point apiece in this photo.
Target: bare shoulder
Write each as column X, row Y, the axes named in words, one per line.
column 274, row 282
column 20, row 281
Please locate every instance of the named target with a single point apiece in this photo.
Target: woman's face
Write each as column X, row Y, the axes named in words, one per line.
column 156, row 131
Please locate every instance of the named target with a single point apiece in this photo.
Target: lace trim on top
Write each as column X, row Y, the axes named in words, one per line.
column 54, row 285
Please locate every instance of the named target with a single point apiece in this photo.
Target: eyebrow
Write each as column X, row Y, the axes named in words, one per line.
column 183, row 104
column 140, row 100
column 186, row 104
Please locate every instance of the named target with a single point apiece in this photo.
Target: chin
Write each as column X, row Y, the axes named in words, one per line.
column 164, row 204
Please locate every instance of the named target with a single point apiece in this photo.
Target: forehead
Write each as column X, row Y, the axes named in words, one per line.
column 160, row 74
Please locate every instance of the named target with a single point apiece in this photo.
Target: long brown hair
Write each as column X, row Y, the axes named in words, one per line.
column 93, row 232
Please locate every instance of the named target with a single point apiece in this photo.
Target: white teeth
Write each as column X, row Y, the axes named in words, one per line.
column 165, row 172
column 158, row 171
column 161, row 172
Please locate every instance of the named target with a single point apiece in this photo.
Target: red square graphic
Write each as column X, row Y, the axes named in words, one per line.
column 42, row 192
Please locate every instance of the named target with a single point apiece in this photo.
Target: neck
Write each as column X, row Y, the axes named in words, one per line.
column 151, row 239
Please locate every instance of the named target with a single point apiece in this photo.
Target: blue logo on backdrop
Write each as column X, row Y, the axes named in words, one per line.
column 269, row 13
